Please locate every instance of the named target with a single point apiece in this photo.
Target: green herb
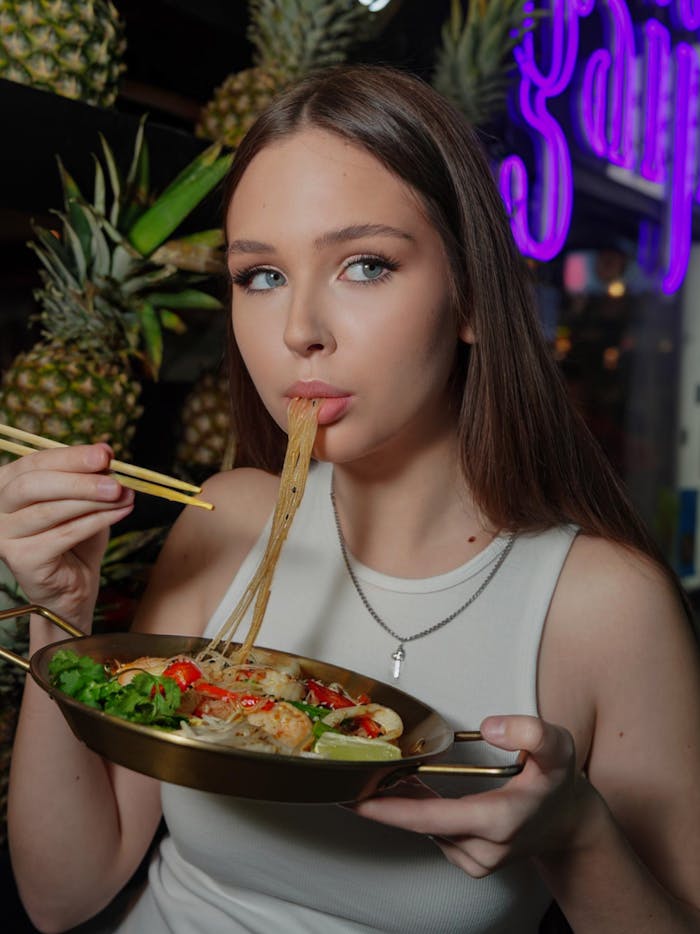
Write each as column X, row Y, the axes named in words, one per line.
column 147, row 699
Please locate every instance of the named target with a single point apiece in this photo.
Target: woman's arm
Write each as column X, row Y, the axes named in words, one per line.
column 617, row 640
column 79, row 826
column 619, row 671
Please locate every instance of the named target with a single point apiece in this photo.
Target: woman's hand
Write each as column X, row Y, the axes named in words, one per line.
column 536, row 811
column 56, row 507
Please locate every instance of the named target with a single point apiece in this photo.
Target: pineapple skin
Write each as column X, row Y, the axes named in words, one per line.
column 236, row 104
column 61, row 391
column 290, row 38
column 207, row 437
column 74, row 48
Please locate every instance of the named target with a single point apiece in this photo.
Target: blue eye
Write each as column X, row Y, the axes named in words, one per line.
column 366, row 269
column 258, row 280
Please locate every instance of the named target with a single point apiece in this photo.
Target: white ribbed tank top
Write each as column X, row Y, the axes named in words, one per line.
column 235, row 865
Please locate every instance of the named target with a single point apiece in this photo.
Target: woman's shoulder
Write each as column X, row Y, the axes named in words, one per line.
column 616, row 617
column 204, row 549
column 605, row 579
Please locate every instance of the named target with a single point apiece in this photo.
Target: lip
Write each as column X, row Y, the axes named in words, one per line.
column 335, row 401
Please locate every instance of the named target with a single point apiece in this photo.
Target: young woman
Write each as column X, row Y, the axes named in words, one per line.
column 459, row 528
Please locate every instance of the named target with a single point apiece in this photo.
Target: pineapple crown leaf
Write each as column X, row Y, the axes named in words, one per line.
column 151, row 333
column 99, row 200
column 73, row 241
column 303, row 34
column 475, row 60
column 156, row 224
column 53, row 257
column 185, row 298
column 144, row 282
column 139, row 159
column 171, row 322
column 95, row 284
column 72, row 198
column 115, row 181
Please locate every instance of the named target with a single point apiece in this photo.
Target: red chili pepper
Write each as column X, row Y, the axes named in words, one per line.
column 208, row 691
column 183, row 672
column 326, row 697
column 370, row 726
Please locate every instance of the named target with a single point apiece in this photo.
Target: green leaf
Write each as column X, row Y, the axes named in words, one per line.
column 168, row 212
column 101, row 254
column 115, row 181
column 185, row 298
column 139, row 283
column 172, row 322
column 54, row 257
column 199, row 164
column 214, row 237
column 152, row 332
column 73, row 241
column 99, row 201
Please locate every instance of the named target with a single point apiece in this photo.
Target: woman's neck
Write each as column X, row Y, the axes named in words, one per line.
column 414, row 519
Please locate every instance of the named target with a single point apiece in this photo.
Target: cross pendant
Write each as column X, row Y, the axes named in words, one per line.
column 398, row 657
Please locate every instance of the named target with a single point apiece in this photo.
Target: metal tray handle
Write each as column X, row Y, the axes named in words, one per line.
column 455, row 768
column 40, row 611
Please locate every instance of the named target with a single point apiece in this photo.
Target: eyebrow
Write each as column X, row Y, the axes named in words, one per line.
column 344, row 234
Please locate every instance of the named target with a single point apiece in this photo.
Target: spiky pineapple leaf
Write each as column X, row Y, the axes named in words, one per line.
column 185, row 298
column 115, row 180
column 156, row 224
column 99, row 198
column 171, row 322
column 475, row 62
column 150, row 327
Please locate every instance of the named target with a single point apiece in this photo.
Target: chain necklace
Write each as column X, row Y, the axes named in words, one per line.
column 399, row 653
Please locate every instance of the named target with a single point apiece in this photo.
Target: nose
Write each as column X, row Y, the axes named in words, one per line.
column 308, row 330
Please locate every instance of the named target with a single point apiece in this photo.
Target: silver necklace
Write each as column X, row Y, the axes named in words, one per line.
column 399, row 653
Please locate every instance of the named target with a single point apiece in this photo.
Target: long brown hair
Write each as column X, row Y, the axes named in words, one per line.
column 528, row 458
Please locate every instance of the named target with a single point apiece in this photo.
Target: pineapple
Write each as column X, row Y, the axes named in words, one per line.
column 74, row 48
column 105, row 300
column 290, row 37
column 474, row 63
column 207, row 443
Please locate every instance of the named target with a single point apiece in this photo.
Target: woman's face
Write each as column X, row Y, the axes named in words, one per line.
column 340, row 291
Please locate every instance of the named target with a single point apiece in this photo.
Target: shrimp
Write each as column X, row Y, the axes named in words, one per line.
column 285, row 723
column 267, row 680
column 388, row 721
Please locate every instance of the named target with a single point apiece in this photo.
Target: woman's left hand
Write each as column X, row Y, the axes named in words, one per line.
column 533, row 812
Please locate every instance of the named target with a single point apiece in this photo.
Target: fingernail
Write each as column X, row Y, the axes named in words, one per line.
column 98, row 456
column 106, row 486
column 494, row 727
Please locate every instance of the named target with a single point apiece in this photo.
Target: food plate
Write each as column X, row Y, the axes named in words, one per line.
column 181, row 760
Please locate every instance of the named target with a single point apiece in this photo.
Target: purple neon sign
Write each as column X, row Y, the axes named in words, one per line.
column 637, row 106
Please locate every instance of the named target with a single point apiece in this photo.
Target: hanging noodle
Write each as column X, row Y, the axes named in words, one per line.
column 303, row 424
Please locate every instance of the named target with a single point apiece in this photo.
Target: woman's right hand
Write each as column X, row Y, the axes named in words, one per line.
column 56, row 507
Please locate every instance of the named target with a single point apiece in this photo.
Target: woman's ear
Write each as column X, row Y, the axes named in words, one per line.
column 466, row 334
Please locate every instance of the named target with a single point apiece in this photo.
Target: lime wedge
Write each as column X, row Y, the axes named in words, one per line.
column 355, row 748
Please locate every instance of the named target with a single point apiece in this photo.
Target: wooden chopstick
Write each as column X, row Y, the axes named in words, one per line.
column 141, row 486
column 129, row 470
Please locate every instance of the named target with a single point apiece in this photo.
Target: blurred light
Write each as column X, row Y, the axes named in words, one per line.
column 665, row 345
column 617, row 288
column 562, row 343
column 611, row 357
column 576, row 272
column 375, row 5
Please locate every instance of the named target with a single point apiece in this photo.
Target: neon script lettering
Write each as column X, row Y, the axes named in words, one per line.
column 635, row 104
